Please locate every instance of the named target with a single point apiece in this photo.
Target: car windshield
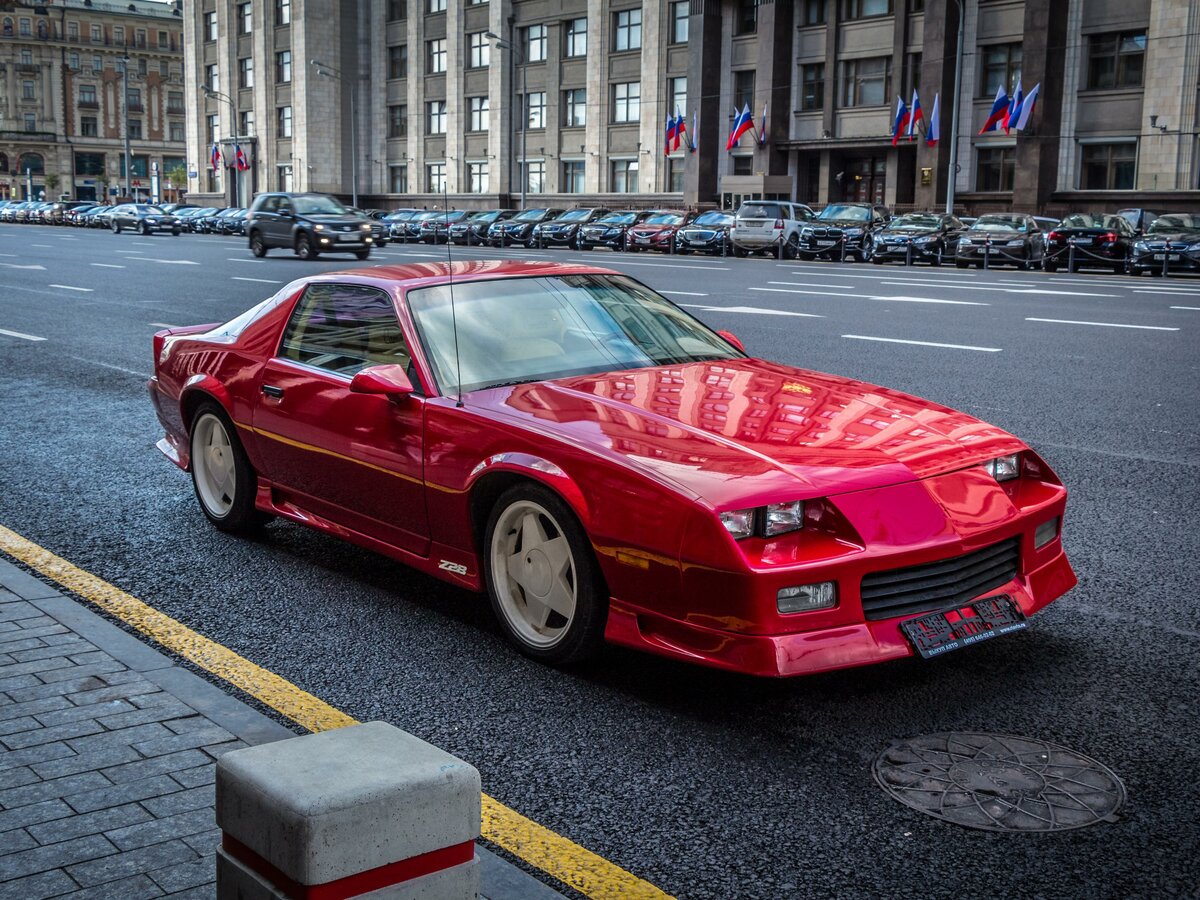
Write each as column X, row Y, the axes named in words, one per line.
column 915, row 222
column 1086, row 220
column 399, row 216
column 713, row 218
column 575, row 215
column 619, row 218
column 517, row 330
column 485, row 217
column 665, row 219
column 318, row 205
column 1000, row 223
column 423, row 216
column 143, row 209
column 760, row 211
column 843, row 212
column 1175, row 224
column 531, row 215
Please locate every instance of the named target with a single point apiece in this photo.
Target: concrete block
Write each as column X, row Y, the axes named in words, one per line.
column 324, row 807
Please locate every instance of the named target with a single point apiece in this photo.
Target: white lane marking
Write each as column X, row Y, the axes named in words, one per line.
column 69, row 287
column 22, row 335
column 884, row 298
column 96, row 362
column 140, row 244
column 1178, row 292
column 242, row 259
column 260, row 280
column 932, row 300
column 658, row 265
column 16, row 266
column 1002, row 289
column 9, row 255
column 106, row 266
column 43, row 246
column 863, row 337
column 1056, row 293
column 683, row 293
column 1195, row 308
column 1103, row 324
column 753, row 310
column 165, row 262
column 825, row 273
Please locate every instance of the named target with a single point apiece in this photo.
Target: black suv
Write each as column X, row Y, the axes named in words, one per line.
column 308, row 225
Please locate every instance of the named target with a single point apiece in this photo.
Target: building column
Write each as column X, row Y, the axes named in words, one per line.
column 502, row 171
column 653, row 103
column 776, row 35
column 1165, row 158
column 455, row 114
column 1042, row 62
column 704, row 83
column 938, row 51
column 595, row 180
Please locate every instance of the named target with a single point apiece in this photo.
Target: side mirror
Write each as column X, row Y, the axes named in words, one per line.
column 728, row 335
column 389, row 381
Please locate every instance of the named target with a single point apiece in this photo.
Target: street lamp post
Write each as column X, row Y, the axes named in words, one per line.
column 125, row 102
column 502, row 44
column 233, row 182
column 330, row 72
column 954, row 111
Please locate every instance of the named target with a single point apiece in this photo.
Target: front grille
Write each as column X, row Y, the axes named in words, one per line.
column 939, row 585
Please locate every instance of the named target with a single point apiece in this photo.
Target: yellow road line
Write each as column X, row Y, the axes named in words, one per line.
column 590, row 874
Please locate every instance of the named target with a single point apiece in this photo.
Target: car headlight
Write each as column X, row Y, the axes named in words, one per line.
column 364, row 227
column 151, row 221
column 318, row 227
column 1194, row 247
column 1020, row 243
column 783, row 517
column 1141, row 246
column 964, row 242
column 738, row 522
column 927, row 239
column 1004, row 468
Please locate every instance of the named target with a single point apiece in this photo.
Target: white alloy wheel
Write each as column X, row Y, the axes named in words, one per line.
column 215, row 465
column 534, row 574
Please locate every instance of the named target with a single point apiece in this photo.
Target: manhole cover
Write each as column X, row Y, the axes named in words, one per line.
column 1000, row 783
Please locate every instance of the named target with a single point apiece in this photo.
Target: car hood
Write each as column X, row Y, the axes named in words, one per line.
column 837, row 223
column 996, row 232
column 654, row 228
column 746, row 430
column 909, row 233
column 1189, row 237
column 333, row 219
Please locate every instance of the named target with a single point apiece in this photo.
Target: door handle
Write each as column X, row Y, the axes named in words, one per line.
column 272, row 391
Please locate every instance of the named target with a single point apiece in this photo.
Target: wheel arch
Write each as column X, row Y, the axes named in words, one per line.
column 197, row 390
column 498, row 473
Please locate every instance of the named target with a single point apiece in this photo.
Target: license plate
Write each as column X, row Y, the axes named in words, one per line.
column 822, row 243
column 347, row 237
column 1169, row 257
column 936, row 633
column 1079, row 242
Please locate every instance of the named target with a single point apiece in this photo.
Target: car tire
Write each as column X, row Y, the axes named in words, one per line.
column 1118, row 268
column 531, row 530
column 116, row 227
column 740, row 252
column 224, row 481
column 176, row 231
column 362, row 254
column 792, row 248
column 145, row 229
column 257, row 245
column 1050, row 267
column 960, row 264
column 305, row 248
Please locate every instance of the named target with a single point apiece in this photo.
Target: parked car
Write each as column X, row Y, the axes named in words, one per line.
column 767, row 224
column 519, row 229
column 395, row 222
column 98, row 217
column 1099, row 241
column 142, row 218
column 201, row 222
column 74, row 216
column 308, row 225
column 27, row 213
column 474, row 229
column 234, row 223
column 1012, row 239
column 920, row 237
column 379, row 231
column 436, row 229
column 9, row 212
column 610, row 230
column 607, row 467
column 54, row 213
column 1171, row 243
column 1140, row 219
column 657, row 232
column 412, row 228
column 563, row 231
column 843, row 230
column 709, row 233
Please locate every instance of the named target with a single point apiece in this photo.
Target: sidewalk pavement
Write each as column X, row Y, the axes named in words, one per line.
column 107, row 757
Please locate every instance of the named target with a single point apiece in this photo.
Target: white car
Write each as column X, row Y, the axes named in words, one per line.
column 766, row 224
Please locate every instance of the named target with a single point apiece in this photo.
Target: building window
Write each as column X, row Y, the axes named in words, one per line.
column 164, row 69
column 743, row 89
column 176, row 132
column 27, row 92
column 89, row 164
column 746, row 17
column 535, row 106
column 478, row 114
column 33, row 163
column 677, row 95
column 814, row 12
column 627, row 101
column 995, row 169
column 164, row 41
column 435, row 6
column 1116, row 60
column 246, row 72
column 624, row 176
column 30, row 122
column 1108, row 167
column 398, row 179
column 87, row 127
column 97, row 34
column 743, row 164
column 1001, row 67
column 675, row 169
column 576, row 38
column 572, row 176
column 435, row 178
column 812, row 90
column 87, row 95
column 916, row 6
column 175, row 103
column 283, row 15
column 246, row 17
column 135, row 129
column 575, row 108
column 398, row 61
column 535, row 176
column 398, row 121
column 627, row 29
column 866, row 82
column 139, row 39
column 73, row 61
column 72, row 31
column 479, row 50
column 535, row 43
column 212, row 77
column 283, row 177
column 97, row 64
column 246, row 123
column 210, row 26
column 397, row 10
column 119, row 34
column 477, row 178
column 865, row 9
column 435, row 56
column 212, row 129
column 435, row 117
column 26, row 28
column 283, row 66
column 681, row 13
column 141, row 68
column 283, row 122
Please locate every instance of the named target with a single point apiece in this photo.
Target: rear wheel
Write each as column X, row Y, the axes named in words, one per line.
column 961, row 265
column 542, row 577
column 792, row 248
column 222, row 476
column 116, row 227
column 1050, row 266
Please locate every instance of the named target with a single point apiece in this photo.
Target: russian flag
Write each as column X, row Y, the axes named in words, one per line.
column 215, row 158
column 902, row 117
column 999, row 110
column 935, row 123
column 680, row 128
column 240, row 159
column 742, row 122
column 1027, row 108
column 1014, row 109
column 914, row 118
column 671, row 135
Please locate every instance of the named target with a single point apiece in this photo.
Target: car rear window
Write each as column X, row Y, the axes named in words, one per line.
column 760, row 211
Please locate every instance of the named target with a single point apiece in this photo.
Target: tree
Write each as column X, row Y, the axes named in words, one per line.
column 52, row 182
column 177, row 175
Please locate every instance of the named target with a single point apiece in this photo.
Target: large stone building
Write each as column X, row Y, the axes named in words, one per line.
column 74, row 75
column 416, row 98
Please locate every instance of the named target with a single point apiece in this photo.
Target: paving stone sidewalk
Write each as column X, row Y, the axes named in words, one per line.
column 107, row 758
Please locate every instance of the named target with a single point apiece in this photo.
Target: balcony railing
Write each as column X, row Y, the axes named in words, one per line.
column 89, row 104
column 136, row 106
column 41, row 137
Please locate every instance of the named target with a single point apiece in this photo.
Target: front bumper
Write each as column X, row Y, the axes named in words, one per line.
column 614, row 241
column 330, row 243
column 1176, row 260
column 997, row 254
column 899, row 252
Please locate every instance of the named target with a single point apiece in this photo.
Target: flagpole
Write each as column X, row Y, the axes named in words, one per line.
column 955, row 110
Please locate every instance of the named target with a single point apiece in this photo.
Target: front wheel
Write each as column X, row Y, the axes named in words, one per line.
column 145, row 229
column 545, row 586
column 222, row 476
column 792, row 248
column 116, row 227
column 257, row 245
column 176, row 231
column 305, row 248
column 362, row 254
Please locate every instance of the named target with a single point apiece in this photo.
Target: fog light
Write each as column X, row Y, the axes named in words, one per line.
column 1046, row 532
column 807, row 597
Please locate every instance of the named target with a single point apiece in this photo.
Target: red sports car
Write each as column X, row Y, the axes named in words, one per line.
column 607, row 467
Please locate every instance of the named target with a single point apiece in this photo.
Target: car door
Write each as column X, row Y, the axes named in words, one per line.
column 354, row 459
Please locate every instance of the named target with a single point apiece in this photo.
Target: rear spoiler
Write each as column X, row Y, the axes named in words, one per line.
column 160, row 337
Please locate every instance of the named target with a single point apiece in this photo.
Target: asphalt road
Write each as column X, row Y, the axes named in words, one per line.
column 704, row 783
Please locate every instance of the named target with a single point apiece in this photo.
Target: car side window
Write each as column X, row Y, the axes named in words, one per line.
column 344, row 328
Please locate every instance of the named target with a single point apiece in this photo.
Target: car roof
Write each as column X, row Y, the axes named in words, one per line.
column 414, row 275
